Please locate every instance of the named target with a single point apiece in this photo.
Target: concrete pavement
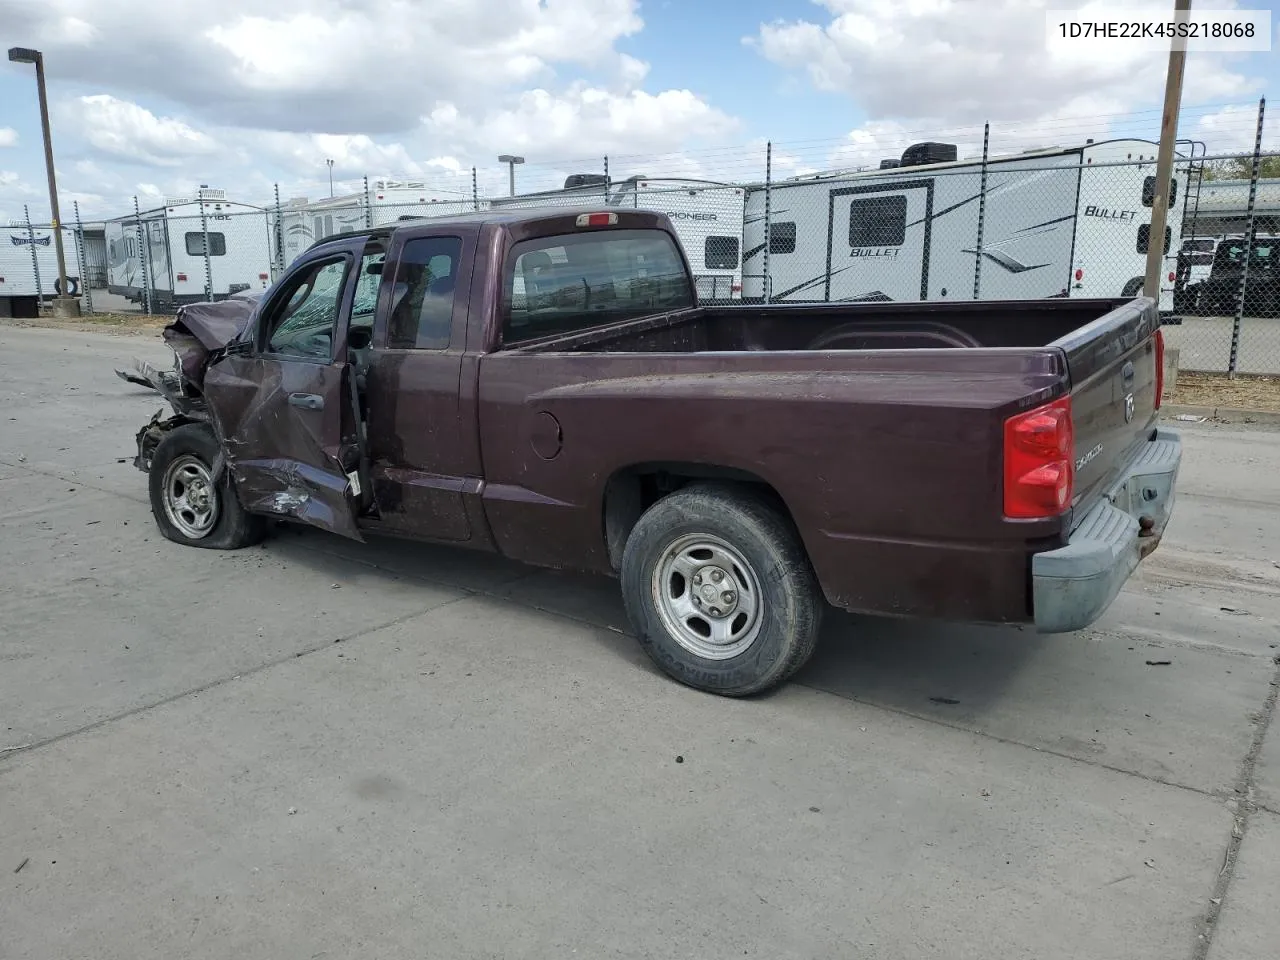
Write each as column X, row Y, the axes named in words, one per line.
column 320, row 748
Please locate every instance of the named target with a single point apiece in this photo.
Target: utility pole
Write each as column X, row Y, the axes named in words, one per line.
column 330, row 163
column 1164, row 157
column 63, row 304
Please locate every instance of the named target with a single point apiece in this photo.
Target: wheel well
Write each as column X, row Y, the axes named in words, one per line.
column 634, row 489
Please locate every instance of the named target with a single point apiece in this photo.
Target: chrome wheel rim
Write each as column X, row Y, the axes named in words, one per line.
column 708, row 597
column 190, row 497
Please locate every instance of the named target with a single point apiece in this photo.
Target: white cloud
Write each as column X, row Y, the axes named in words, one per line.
column 972, row 62
column 1233, row 129
column 337, row 66
column 128, row 131
column 8, row 178
column 8, row 137
column 582, row 121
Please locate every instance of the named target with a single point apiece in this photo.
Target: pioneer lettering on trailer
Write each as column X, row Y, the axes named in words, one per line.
column 1106, row 213
column 685, row 215
column 889, row 252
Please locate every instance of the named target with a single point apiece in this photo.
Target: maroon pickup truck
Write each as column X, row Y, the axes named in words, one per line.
column 542, row 384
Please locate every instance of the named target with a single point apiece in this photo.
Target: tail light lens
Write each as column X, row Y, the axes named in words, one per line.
column 1159, row 367
column 182, row 278
column 1038, row 469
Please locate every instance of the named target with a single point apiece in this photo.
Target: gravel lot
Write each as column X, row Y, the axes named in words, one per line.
column 324, row 749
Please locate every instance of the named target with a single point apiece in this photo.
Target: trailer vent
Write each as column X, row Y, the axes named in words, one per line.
column 888, row 164
column 919, row 154
column 212, row 193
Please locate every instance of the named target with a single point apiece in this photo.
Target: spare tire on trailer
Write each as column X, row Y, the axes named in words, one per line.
column 73, row 287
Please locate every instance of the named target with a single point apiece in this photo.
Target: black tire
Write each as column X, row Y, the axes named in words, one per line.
column 1134, row 287
column 789, row 599
column 73, row 286
column 231, row 527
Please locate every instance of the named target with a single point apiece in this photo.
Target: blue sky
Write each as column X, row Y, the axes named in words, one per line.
column 153, row 97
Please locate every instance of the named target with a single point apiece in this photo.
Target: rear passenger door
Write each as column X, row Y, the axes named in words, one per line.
column 880, row 234
column 423, row 451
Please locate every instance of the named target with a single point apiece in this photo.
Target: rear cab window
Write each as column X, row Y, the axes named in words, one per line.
column 572, row 282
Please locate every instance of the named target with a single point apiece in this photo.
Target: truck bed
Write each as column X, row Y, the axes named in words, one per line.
column 870, row 326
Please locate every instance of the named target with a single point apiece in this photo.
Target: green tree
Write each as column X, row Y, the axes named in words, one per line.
column 1241, row 168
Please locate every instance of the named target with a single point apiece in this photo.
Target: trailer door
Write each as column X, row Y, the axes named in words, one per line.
column 877, row 247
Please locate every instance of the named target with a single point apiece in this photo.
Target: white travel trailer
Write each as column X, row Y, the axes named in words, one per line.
column 707, row 217
column 302, row 222
column 159, row 255
column 1056, row 222
column 29, row 267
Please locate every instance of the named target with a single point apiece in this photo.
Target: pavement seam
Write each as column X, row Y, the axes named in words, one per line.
column 491, row 593
column 1009, row 741
column 10, row 752
column 1246, row 806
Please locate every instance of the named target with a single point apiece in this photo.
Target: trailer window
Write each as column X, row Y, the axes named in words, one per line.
column 574, row 282
column 720, row 253
column 422, row 298
column 878, row 221
column 782, row 237
column 217, row 244
column 1149, row 191
column 1144, row 238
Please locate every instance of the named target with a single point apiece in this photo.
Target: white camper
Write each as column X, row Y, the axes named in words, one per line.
column 29, row 267
column 302, row 222
column 159, row 255
column 707, row 217
column 1056, row 222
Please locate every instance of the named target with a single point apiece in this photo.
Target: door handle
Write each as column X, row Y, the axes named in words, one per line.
column 308, row 401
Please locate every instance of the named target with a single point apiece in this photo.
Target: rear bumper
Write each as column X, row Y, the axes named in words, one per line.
column 1073, row 585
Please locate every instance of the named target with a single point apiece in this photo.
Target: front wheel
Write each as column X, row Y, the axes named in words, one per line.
column 720, row 591
column 191, row 507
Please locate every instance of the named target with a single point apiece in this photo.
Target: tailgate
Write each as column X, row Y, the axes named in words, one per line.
column 1113, row 368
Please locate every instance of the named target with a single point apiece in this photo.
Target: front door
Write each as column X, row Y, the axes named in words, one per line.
column 284, row 400
column 878, row 245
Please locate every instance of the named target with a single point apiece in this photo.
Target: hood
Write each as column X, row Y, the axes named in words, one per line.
column 217, row 323
column 201, row 328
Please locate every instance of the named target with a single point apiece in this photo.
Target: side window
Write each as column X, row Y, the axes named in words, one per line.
column 302, row 321
column 217, row 244
column 878, row 221
column 720, row 253
column 1149, row 191
column 422, row 298
column 1144, row 238
column 367, row 285
column 782, row 237
column 573, row 282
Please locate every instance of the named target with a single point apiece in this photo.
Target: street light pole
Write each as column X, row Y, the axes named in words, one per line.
column 511, row 162
column 330, row 163
column 63, row 305
column 1164, row 158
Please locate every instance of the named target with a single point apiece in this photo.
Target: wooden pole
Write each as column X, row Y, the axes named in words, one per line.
column 1164, row 158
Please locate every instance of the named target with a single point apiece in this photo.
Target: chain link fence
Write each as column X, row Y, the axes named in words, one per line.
column 1070, row 222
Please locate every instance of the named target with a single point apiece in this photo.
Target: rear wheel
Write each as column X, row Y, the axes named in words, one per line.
column 1134, row 287
column 720, row 591
column 190, row 507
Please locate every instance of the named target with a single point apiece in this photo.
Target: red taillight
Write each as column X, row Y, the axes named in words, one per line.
column 1172, row 276
column 735, row 288
column 1038, row 469
column 597, row 219
column 1079, row 274
column 182, row 278
column 1159, row 367
column 262, row 276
